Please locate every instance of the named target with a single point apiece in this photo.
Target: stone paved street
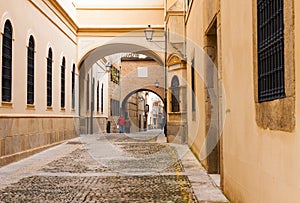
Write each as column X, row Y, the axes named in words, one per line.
column 110, row 168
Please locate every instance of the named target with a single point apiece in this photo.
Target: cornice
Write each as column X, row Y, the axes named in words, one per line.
column 173, row 13
column 120, row 8
column 62, row 11
column 108, row 31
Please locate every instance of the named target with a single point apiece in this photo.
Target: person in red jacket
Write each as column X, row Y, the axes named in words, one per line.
column 121, row 122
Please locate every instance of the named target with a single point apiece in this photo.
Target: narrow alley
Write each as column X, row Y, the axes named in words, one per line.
column 137, row 167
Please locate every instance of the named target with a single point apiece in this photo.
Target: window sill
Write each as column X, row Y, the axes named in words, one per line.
column 6, row 105
column 49, row 108
column 63, row 109
column 30, row 107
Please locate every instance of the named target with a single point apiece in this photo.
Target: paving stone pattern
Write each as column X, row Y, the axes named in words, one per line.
column 98, row 189
column 156, row 174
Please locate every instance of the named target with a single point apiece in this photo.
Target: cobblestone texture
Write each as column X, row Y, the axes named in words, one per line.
column 94, row 169
column 99, row 189
column 79, row 161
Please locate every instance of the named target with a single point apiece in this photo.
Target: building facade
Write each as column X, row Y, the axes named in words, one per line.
column 242, row 98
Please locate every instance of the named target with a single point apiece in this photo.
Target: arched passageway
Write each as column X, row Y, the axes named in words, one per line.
column 86, row 114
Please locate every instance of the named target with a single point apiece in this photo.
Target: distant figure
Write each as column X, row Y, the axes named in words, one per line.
column 121, row 122
column 127, row 125
column 162, row 124
column 108, row 127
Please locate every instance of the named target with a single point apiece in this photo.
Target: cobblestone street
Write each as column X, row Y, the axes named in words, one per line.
column 110, row 168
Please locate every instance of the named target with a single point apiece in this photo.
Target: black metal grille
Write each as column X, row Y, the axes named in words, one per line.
column 114, row 107
column 62, row 86
column 7, row 62
column 175, row 94
column 193, row 85
column 30, row 71
column 73, row 87
column 49, row 78
column 270, row 50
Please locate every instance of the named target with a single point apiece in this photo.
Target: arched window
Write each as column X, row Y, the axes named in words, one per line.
column 73, row 87
column 175, row 94
column 30, row 71
column 88, row 92
column 7, row 62
column 62, row 83
column 98, row 99
column 49, row 78
column 102, row 98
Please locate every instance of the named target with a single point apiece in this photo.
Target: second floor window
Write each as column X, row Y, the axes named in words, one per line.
column 49, row 78
column 175, row 94
column 30, row 71
column 62, row 85
column 270, row 30
column 7, row 62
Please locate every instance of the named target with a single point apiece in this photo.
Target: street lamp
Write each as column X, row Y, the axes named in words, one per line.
column 108, row 67
column 149, row 33
column 156, row 83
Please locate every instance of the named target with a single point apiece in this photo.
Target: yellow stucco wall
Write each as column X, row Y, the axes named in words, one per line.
column 260, row 165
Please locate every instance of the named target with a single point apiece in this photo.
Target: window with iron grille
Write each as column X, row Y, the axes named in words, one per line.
column 175, row 94
column 30, row 71
column 102, row 89
column 7, row 62
column 62, row 85
column 270, row 27
column 73, row 87
column 98, row 99
column 114, row 107
column 49, row 78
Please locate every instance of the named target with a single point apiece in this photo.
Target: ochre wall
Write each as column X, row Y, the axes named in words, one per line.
column 260, row 165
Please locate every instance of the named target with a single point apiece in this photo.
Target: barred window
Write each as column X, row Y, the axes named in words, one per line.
column 73, row 87
column 270, row 28
column 7, row 62
column 30, row 71
column 114, row 107
column 62, row 83
column 193, row 85
column 175, row 94
column 49, row 78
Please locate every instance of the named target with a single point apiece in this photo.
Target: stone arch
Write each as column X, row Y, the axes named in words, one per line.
column 158, row 91
column 124, row 45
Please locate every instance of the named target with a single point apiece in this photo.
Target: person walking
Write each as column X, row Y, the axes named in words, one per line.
column 121, row 122
column 127, row 125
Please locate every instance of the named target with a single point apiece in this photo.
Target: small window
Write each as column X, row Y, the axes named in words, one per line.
column 73, row 87
column 102, row 104
column 49, row 78
column 193, row 85
column 62, row 85
column 175, row 94
column 30, row 71
column 270, row 26
column 98, row 99
column 88, row 92
column 7, row 62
